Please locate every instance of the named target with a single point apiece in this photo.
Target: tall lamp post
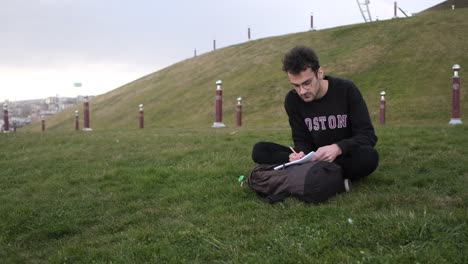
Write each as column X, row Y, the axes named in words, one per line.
column 43, row 122
column 77, row 120
column 382, row 108
column 239, row 112
column 455, row 120
column 142, row 121
column 6, row 122
column 86, row 114
column 219, row 106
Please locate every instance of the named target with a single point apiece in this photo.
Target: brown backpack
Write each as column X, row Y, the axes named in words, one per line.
column 311, row 182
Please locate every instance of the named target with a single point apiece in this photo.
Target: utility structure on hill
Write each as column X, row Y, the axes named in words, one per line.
column 395, row 10
column 364, row 11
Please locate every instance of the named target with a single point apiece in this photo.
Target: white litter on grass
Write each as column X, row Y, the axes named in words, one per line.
column 350, row 221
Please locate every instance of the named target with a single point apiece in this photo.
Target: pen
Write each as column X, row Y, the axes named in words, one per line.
column 292, row 149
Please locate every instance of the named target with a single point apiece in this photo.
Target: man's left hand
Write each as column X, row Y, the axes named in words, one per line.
column 327, row 153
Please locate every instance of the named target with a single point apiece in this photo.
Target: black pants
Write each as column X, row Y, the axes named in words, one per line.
column 356, row 164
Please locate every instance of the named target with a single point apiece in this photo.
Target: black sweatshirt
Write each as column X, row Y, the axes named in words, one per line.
column 340, row 117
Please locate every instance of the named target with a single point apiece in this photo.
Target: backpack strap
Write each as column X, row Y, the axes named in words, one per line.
column 277, row 198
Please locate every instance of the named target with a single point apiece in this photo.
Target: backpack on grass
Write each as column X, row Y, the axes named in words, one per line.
column 311, row 182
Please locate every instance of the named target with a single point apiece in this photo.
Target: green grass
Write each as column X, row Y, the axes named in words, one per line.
column 171, row 195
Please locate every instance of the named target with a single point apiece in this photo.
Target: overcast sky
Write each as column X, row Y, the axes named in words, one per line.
column 48, row 45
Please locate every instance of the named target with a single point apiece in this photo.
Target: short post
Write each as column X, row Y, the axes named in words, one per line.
column 312, row 21
column 77, row 120
column 6, row 122
column 43, row 122
column 86, row 114
column 214, row 44
column 248, row 33
column 239, row 111
column 194, row 52
column 382, row 108
column 455, row 120
column 219, row 106
column 453, row 7
column 141, row 116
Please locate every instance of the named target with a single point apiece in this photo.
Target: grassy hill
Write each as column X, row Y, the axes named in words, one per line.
column 409, row 58
column 446, row 5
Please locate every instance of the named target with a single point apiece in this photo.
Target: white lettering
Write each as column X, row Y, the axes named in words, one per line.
column 322, row 120
column 341, row 120
column 332, row 122
column 308, row 122
column 316, row 124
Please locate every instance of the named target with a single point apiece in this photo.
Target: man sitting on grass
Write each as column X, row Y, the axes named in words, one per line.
column 327, row 115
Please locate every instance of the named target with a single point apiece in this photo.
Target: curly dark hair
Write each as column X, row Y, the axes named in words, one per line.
column 299, row 58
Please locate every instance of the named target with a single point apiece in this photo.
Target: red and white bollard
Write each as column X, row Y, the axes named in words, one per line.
column 239, row 111
column 142, row 125
column 455, row 120
column 86, row 114
column 382, row 108
column 43, row 122
column 6, row 122
column 219, row 106
column 77, row 120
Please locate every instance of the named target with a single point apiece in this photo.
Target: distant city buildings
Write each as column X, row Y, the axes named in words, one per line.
column 22, row 113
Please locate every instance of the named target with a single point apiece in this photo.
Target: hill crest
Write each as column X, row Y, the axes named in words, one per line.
column 409, row 58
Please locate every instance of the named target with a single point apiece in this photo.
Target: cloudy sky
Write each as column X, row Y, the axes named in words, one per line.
column 48, row 45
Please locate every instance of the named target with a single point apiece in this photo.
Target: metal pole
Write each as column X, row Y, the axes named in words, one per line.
column 77, row 120
column 214, row 44
column 248, row 33
column 455, row 120
column 6, row 122
column 219, row 106
column 239, row 112
column 395, row 7
column 141, row 116
column 382, row 108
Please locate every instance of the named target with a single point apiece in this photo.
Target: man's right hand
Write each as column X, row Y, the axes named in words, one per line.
column 296, row 156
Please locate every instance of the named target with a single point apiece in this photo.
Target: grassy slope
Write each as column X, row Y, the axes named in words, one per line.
column 409, row 58
column 447, row 5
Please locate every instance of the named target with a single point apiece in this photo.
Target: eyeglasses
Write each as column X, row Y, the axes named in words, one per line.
column 305, row 85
